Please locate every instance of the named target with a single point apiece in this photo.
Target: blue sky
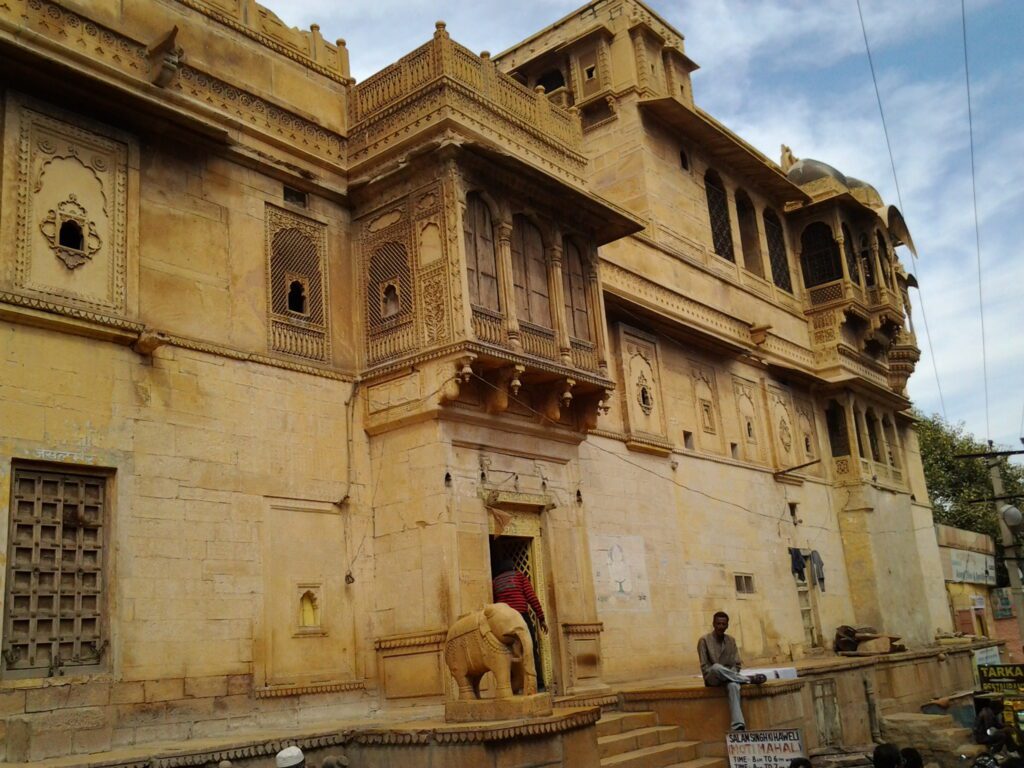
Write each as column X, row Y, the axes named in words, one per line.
column 795, row 72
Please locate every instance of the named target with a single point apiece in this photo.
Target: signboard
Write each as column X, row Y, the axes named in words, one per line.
column 987, row 656
column 1002, row 605
column 1001, row 677
column 764, row 749
column 972, row 567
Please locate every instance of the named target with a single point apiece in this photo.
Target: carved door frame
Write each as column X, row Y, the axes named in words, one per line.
column 528, row 523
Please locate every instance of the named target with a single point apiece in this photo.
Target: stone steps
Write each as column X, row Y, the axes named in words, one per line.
column 617, row 722
column 636, row 740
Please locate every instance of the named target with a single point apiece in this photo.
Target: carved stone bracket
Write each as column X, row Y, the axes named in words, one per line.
column 165, row 58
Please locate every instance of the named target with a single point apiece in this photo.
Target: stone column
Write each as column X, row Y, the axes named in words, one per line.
column 556, row 292
column 876, row 259
column 595, row 309
column 507, row 285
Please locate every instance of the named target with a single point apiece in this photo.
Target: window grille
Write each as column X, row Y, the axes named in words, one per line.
column 481, row 263
column 819, row 255
column 744, row 583
column 530, row 273
column 867, row 261
column 389, row 269
column 577, row 314
column 777, row 251
column 718, row 212
column 56, row 556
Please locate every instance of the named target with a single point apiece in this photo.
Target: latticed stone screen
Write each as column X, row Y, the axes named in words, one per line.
column 297, row 284
column 389, row 268
column 55, row 573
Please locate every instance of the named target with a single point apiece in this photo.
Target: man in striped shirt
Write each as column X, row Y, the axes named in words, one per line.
column 515, row 590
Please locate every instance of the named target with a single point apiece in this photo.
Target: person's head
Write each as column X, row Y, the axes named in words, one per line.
column 911, row 758
column 720, row 623
column 800, row 762
column 290, row 757
column 886, row 756
column 504, row 564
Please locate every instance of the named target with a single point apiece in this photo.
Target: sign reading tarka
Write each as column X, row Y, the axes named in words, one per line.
column 764, row 749
column 1001, row 677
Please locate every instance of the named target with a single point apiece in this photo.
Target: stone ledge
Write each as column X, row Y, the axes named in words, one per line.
column 490, row 710
column 777, row 688
column 266, row 745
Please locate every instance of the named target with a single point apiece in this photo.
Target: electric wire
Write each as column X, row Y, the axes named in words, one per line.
column 899, row 197
column 977, row 228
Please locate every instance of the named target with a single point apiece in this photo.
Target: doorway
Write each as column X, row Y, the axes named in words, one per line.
column 525, row 554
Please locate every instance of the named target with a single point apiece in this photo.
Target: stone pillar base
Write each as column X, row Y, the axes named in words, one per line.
column 483, row 710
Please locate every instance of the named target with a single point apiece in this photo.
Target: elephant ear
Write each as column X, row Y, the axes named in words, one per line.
column 483, row 623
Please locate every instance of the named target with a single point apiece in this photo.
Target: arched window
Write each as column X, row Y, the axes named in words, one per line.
column 883, row 258
column 577, row 315
column 851, row 255
column 750, row 240
column 530, row 273
column 838, row 436
column 297, row 297
column 867, row 261
column 70, row 235
column 481, row 263
column 389, row 305
column 777, row 250
column 718, row 213
column 819, row 255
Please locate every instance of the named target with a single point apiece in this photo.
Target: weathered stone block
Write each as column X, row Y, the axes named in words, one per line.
column 482, row 710
column 164, row 690
column 202, row 687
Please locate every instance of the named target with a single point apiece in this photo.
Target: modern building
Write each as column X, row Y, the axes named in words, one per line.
column 287, row 361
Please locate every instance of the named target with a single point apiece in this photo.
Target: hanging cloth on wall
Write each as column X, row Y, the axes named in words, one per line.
column 797, row 563
column 817, row 570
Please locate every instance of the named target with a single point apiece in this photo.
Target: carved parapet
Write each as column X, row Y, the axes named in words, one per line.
column 443, row 76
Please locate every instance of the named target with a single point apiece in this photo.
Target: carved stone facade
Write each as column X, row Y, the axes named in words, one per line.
column 328, row 352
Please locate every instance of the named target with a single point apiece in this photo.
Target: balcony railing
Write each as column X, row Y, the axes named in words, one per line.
column 584, row 355
column 539, row 341
column 489, row 326
column 444, row 58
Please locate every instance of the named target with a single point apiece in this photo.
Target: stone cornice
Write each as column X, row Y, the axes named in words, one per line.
column 583, row 628
column 273, row 692
column 411, row 640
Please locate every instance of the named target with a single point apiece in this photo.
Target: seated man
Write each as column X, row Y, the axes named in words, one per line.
column 720, row 664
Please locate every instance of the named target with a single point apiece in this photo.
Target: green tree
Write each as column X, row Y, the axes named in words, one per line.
column 954, row 485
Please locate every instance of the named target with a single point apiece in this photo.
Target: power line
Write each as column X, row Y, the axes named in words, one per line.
column 977, row 229
column 878, row 96
column 899, row 197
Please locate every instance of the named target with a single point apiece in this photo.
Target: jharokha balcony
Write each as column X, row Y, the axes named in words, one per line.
column 441, row 84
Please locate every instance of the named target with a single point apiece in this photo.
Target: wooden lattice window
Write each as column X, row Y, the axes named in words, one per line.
column 481, row 262
column 777, row 251
column 718, row 212
column 577, row 314
column 838, row 435
column 750, row 239
column 851, row 255
column 530, row 273
column 873, row 441
column 56, row 562
column 819, row 255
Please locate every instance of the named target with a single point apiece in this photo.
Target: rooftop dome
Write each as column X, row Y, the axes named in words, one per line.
column 864, row 192
column 805, row 171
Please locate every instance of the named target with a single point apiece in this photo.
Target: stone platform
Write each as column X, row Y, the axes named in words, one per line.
column 489, row 710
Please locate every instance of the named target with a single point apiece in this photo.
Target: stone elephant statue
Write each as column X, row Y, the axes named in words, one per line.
column 493, row 639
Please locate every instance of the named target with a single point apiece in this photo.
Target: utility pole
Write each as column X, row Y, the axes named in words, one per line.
column 1010, row 520
column 1009, row 541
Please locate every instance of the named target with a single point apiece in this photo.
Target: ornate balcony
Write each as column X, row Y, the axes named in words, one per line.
column 442, row 83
